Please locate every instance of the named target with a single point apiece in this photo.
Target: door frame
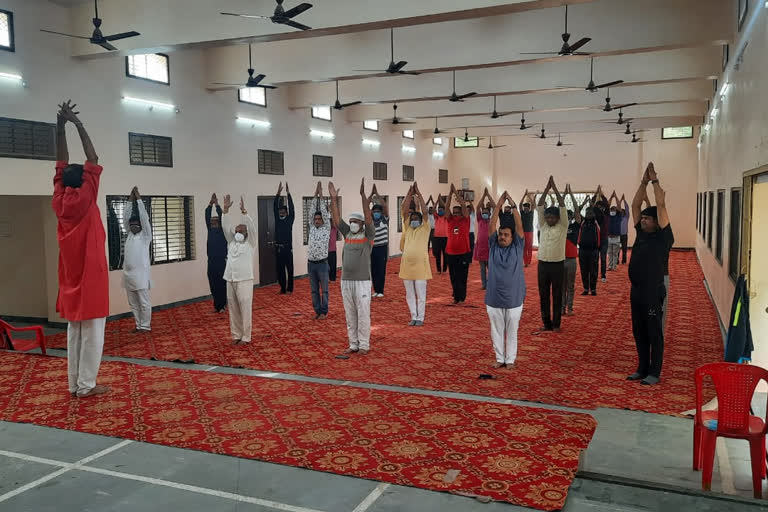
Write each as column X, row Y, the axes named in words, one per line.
column 749, row 180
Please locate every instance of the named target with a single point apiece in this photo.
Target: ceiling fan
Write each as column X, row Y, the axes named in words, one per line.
column 458, row 97
column 97, row 37
column 621, row 119
column 491, row 146
column 560, row 142
column 523, row 126
column 542, row 135
column 253, row 81
column 566, row 49
column 437, row 131
column 634, row 140
column 339, row 105
column 591, row 87
column 494, row 114
column 394, row 67
column 398, row 120
column 280, row 16
column 466, row 136
column 609, row 108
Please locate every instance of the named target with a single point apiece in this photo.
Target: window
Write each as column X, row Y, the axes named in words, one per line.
column 172, row 220
column 6, row 31
column 471, row 142
column 151, row 150
column 322, row 112
column 253, row 95
column 408, row 134
column 408, row 173
column 153, row 67
column 379, row 170
column 704, row 215
column 698, row 210
column 726, row 55
column 720, row 222
column 734, row 236
column 271, row 162
column 27, row 139
column 322, row 165
column 710, row 218
column 371, row 125
column 743, row 7
column 442, row 175
column 309, row 207
column 679, row 132
column 437, row 141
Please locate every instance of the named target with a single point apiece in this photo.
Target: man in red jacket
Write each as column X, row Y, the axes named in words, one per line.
column 83, row 282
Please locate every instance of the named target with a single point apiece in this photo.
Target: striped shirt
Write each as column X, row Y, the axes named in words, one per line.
column 382, row 232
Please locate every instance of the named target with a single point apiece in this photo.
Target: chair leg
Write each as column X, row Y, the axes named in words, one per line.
column 696, row 447
column 41, row 340
column 756, row 452
column 764, row 465
column 708, row 442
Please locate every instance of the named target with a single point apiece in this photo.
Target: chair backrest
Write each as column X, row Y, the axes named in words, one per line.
column 5, row 335
column 734, row 385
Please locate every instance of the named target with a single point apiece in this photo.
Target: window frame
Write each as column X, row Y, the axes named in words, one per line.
column 413, row 172
column 698, row 209
column 167, row 66
column 314, row 156
column 703, row 230
column 11, row 35
column 741, row 15
column 677, row 138
column 170, row 150
column 412, row 137
column 476, row 140
column 719, row 224
column 710, row 218
column 734, row 246
column 437, row 144
column 269, row 152
column 371, row 129
column 330, row 113
column 439, row 176
column 240, row 100
column 50, row 126
column 386, row 172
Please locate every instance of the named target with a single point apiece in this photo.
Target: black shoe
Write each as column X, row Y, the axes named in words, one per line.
column 585, row 292
column 282, row 292
column 650, row 380
column 636, row 376
column 594, row 292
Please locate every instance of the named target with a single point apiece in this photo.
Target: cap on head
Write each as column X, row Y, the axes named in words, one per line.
column 357, row 216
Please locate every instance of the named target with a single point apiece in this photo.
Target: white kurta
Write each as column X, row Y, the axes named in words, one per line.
column 239, row 254
column 85, row 343
column 136, row 275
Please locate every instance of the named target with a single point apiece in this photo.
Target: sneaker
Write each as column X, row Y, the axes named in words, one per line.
column 418, row 323
column 585, row 292
column 636, row 376
column 412, row 323
column 594, row 292
column 650, row 380
column 604, row 280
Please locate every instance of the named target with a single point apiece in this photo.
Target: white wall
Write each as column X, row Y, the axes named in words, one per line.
column 211, row 152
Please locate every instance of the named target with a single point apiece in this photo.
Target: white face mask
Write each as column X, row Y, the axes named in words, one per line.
column 613, row 214
column 415, row 224
column 354, row 227
column 239, row 237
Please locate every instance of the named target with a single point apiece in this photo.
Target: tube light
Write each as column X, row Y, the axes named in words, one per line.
column 724, row 89
column 706, row 127
column 371, row 142
column 151, row 104
column 320, row 133
column 254, row 122
column 713, row 114
column 408, row 149
column 11, row 76
column 437, row 154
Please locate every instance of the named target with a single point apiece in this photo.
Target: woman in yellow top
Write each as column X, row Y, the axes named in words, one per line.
column 414, row 263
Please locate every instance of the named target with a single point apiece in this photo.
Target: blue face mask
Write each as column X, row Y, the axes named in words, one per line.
column 486, row 216
column 440, row 213
column 376, row 215
column 415, row 223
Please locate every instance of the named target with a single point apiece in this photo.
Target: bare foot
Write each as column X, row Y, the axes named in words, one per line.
column 497, row 365
column 351, row 351
column 98, row 390
column 363, row 352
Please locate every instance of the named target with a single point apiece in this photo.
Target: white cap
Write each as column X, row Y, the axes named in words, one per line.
column 356, row 216
column 214, row 213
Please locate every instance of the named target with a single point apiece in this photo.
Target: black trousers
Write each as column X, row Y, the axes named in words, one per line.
column 458, row 266
column 472, row 242
column 588, row 261
column 438, row 250
column 332, row 265
column 603, row 256
column 648, row 329
column 379, row 255
column 623, row 248
column 551, row 276
column 284, row 263
column 217, row 283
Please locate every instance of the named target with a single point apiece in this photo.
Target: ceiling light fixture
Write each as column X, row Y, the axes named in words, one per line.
column 254, row 122
column 151, row 104
column 14, row 77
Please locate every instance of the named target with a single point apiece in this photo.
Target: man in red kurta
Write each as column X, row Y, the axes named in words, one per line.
column 83, row 282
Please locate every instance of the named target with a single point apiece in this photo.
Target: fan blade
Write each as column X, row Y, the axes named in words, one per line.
column 370, row 70
column 578, row 44
column 467, row 95
column 265, row 86
column 345, row 105
column 258, row 78
column 610, row 84
column 107, row 46
column 250, row 16
column 497, row 147
column 222, row 83
column 625, row 106
column 539, row 53
column 402, row 122
column 415, row 73
column 299, row 26
column 63, row 34
column 122, row 35
column 290, row 13
column 397, row 67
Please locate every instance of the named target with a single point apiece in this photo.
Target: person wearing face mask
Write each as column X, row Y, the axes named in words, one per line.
column 614, row 233
column 624, row 228
column 241, row 240
column 457, row 249
column 358, row 235
column 415, row 270
column 526, row 214
column 589, row 251
column 472, row 225
column 431, row 219
column 600, row 202
column 136, row 276
column 217, row 255
column 481, row 244
column 440, row 238
column 380, row 252
column 317, row 255
column 284, row 217
column 553, row 225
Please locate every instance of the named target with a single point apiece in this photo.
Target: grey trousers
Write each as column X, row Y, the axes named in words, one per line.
column 569, row 283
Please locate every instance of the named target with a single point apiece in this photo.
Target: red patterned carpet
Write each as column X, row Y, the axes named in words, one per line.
column 521, row 455
column 584, row 366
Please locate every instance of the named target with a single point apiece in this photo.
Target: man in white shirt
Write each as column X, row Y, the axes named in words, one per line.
column 136, row 275
column 241, row 240
column 317, row 255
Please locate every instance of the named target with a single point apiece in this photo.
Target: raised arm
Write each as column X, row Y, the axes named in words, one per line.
column 420, row 199
column 406, row 202
column 576, row 206
column 226, row 220
column 276, row 203
column 335, row 215
column 366, row 205
column 67, row 110
column 495, row 215
column 560, row 200
column 248, row 221
column 660, row 197
column 62, row 150
column 291, row 210
column 449, row 200
column 146, row 226
column 637, row 202
column 624, row 205
column 518, row 219
column 543, row 198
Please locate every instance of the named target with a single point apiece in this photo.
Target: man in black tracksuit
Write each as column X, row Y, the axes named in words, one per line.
column 217, row 255
column 284, row 217
column 589, row 252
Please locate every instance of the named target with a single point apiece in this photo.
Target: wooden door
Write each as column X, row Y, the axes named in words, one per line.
column 267, row 271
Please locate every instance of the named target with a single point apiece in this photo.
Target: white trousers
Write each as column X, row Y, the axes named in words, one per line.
column 85, row 343
column 141, row 305
column 504, row 323
column 240, row 304
column 357, row 309
column 416, row 296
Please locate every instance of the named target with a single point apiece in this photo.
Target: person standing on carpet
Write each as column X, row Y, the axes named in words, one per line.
column 431, row 218
column 571, row 253
column 472, row 225
column 505, row 294
column 284, row 217
column 600, row 202
column 614, row 233
column 358, row 234
column 480, row 251
column 650, row 254
column 624, row 237
column 136, row 274
column 527, row 216
column 415, row 270
column 589, row 251
column 83, row 297
column 217, row 255
column 317, row 255
column 440, row 238
column 553, row 230
column 380, row 252
column 333, row 237
column 457, row 249
column 241, row 240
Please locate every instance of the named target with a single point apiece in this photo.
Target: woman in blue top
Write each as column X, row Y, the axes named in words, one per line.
column 505, row 293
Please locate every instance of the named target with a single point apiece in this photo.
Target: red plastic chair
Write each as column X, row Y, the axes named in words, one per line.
column 734, row 385
column 7, row 341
